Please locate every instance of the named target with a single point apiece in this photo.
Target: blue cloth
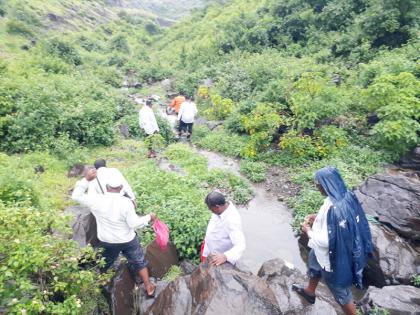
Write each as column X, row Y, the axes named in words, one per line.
column 350, row 240
column 342, row 295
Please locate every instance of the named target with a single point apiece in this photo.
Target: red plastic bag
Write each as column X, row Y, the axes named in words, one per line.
column 202, row 258
column 162, row 234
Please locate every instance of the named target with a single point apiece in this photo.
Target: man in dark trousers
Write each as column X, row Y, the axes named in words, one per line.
column 116, row 221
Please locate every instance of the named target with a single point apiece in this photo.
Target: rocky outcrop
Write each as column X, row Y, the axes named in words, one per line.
column 76, row 170
column 397, row 300
column 280, row 278
column 83, row 225
column 216, row 290
column 395, row 201
column 225, row 289
column 394, row 260
column 411, row 160
column 160, row 261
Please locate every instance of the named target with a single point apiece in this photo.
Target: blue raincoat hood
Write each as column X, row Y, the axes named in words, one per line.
column 350, row 240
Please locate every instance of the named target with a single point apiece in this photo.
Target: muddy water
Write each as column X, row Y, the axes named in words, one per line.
column 266, row 223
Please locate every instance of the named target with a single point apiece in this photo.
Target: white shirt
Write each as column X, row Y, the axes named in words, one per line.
column 102, row 175
column 115, row 215
column 147, row 120
column 318, row 236
column 224, row 235
column 187, row 112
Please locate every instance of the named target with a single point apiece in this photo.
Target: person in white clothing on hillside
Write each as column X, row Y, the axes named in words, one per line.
column 103, row 175
column 186, row 115
column 148, row 123
column 225, row 240
column 116, row 223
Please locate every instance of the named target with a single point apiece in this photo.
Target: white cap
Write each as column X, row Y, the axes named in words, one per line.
column 114, row 179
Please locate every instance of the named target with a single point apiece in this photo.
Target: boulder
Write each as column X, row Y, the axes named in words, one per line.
column 76, row 170
column 397, row 300
column 83, row 225
column 216, row 290
column 160, row 261
column 142, row 302
column 280, row 276
column 124, row 130
column 411, row 160
column 214, row 124
column 394, row 260
column 121, row 290
column 395, row 201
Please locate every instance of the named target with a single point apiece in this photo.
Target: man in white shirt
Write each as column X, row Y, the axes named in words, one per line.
column 116, row 223
column 103, row 175
column 186, row 115
column 148, row 123
column 224, row 241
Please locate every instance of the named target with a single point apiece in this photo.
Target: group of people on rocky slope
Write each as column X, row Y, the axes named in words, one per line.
column 339, row 234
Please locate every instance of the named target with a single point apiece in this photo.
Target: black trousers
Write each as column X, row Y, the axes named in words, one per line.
column 185, row 126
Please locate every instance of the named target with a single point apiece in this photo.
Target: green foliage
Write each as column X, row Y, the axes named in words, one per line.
column 120, row 43
column 415, row 280
column 173, row 273
column 219, row 108
column 64, row 51
column 254, row 171
column 155, row 142
column 376, row 310
column 15, row 192
column 314, row 99
column 15, row 27
column 220, row 141
column 396, row 100
column 261, row 124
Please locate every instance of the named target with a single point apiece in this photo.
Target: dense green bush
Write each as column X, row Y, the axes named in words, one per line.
column 15, row 27
column 396, row 101
column 63, row 50
column 254, row 171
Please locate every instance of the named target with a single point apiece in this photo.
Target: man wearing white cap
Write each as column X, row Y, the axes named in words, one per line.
column 116, row 221
column 103, row 175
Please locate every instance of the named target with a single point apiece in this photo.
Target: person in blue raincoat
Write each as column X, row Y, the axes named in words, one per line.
column 340, row 241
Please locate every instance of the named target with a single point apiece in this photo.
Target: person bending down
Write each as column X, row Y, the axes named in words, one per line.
column 116, row 223
column 340, row 241
column 224, row 241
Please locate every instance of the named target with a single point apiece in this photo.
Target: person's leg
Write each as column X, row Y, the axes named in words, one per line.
column 311, row 287
column 110, row 253
column 342, row 295
column 189, row 130
column 135, row 256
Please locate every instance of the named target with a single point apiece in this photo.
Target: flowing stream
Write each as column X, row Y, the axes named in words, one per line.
column 266, row 221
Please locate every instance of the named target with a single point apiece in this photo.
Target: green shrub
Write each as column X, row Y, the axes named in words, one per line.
column 64, row 51
column 395, row 99
column 173, row 273
column 120, row 43
column 15, row 191
column 15, row 27
column 254, row 171
column 415, row 280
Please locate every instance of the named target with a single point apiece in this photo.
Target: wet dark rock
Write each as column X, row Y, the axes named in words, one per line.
column 25, row 47
column 216, row 290
column 76, row 170
column 187, row 267
column 125, row 130
column 395, row 201
column 39, row 169
column 372, row 119
column 280, row 278
column 411, row 160
column 394, row 260
column 54, row 17
column 120, row 291
column 160, row 261
column 83, row 225
column 167, row 85
column 397, row 300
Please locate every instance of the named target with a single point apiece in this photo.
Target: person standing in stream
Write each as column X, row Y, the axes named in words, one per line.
column 148, row 123
column 116, row 221
column 340, row 241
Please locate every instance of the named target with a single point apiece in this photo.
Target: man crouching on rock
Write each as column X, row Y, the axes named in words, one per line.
column 224, row 239
column 340, row 241
column 116, row 220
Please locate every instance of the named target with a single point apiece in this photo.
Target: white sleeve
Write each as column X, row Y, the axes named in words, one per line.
column 133, row 220
column 181, row 110
column 79, row 195
column 319, row 239
column 153, row 120
column 238, row 240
